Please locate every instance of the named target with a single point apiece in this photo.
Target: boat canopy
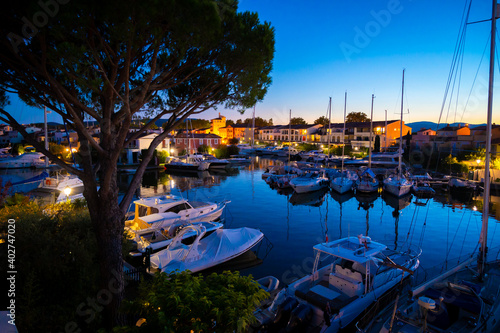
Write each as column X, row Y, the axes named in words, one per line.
column 152, row 218
column 369, row 172
column 158, row 200
column 357, row 249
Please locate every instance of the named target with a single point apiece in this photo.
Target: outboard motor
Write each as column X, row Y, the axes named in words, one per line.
column 300, row 318
column 284, row 310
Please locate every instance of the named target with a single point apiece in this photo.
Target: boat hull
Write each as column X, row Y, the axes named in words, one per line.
column 341, row 185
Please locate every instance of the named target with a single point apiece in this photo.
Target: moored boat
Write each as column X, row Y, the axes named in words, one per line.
column 356, row 273
column 205, row 252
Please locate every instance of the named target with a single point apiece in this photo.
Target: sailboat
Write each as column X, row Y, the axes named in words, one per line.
column 367, row 181
column 464, row 298
column 345, row 182
column 398, row 185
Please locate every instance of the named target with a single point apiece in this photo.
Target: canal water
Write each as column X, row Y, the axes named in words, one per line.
column 444, row 228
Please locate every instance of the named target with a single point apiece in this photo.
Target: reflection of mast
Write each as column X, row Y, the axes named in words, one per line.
column 326, row 222
column 287, row 216
column 367, row 221
column 340, row 222
column 396, row 227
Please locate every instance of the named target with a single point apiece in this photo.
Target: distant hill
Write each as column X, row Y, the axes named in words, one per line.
column 417, row 126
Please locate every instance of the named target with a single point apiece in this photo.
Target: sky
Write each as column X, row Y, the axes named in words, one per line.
column 325, row 48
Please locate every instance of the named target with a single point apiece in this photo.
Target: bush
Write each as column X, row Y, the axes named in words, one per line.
column 55, row 262
column 203, row 149
column 224, row 151
column 162, row 156
column 185, row 303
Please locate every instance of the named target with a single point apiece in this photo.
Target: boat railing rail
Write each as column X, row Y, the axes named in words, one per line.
column 381, row 306
column 422, row 275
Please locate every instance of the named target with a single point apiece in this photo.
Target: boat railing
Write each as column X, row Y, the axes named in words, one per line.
column 423, row 275
column 380, row 307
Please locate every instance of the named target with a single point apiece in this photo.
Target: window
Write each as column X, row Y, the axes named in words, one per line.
column 216, row 141
column 178, row 208
column 201, row 141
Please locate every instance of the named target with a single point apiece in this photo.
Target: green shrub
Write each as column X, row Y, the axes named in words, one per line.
column 55, row 262
column 183, row 303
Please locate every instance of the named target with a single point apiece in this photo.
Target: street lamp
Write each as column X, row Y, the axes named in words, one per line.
column 67, row 191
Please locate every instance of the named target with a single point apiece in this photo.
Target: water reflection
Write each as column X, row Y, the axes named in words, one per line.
column 294, row 223
column 314, row 199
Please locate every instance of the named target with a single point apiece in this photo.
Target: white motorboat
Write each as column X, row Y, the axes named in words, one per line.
column 173, row 208
column 215, row 163
column 357, row 272
column 26, row 160
column 188, row 163
column 221, row 246
column 381, row 160
column 310, row 182
column 367, row 182
column 156, row 239
column 285, row 151
column 59, row 189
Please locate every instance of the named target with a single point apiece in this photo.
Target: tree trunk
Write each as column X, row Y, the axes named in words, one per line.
column 108, row 221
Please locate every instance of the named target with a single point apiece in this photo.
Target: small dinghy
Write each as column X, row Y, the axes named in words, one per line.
column 221, row 246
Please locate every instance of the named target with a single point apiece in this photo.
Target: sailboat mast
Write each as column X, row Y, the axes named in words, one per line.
column 289, row 135
column 371, row 132
column 486, row 195
column 329, row 124
column 401, row 127
column 343, row 132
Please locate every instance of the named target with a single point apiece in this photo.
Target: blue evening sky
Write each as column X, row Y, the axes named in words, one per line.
column 327, row 47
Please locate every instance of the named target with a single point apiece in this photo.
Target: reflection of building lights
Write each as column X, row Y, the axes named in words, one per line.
column 474, row 208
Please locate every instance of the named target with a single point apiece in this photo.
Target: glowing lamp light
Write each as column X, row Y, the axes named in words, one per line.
column 478, row 161
column 73, row 150
column 67, row 191
column 171, row 150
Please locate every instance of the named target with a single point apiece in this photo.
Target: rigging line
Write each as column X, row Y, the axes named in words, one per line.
column 460, row 71
column 456, row 74
column 456, row 233
column 414, row 217
column 465, row 18
column 465, row 236
column 460, row 40
column 475, row 78
column 421, row 240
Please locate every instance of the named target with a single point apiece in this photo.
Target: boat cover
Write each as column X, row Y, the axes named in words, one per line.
column 220, row 246
column 369, row 172
column 351, row 248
